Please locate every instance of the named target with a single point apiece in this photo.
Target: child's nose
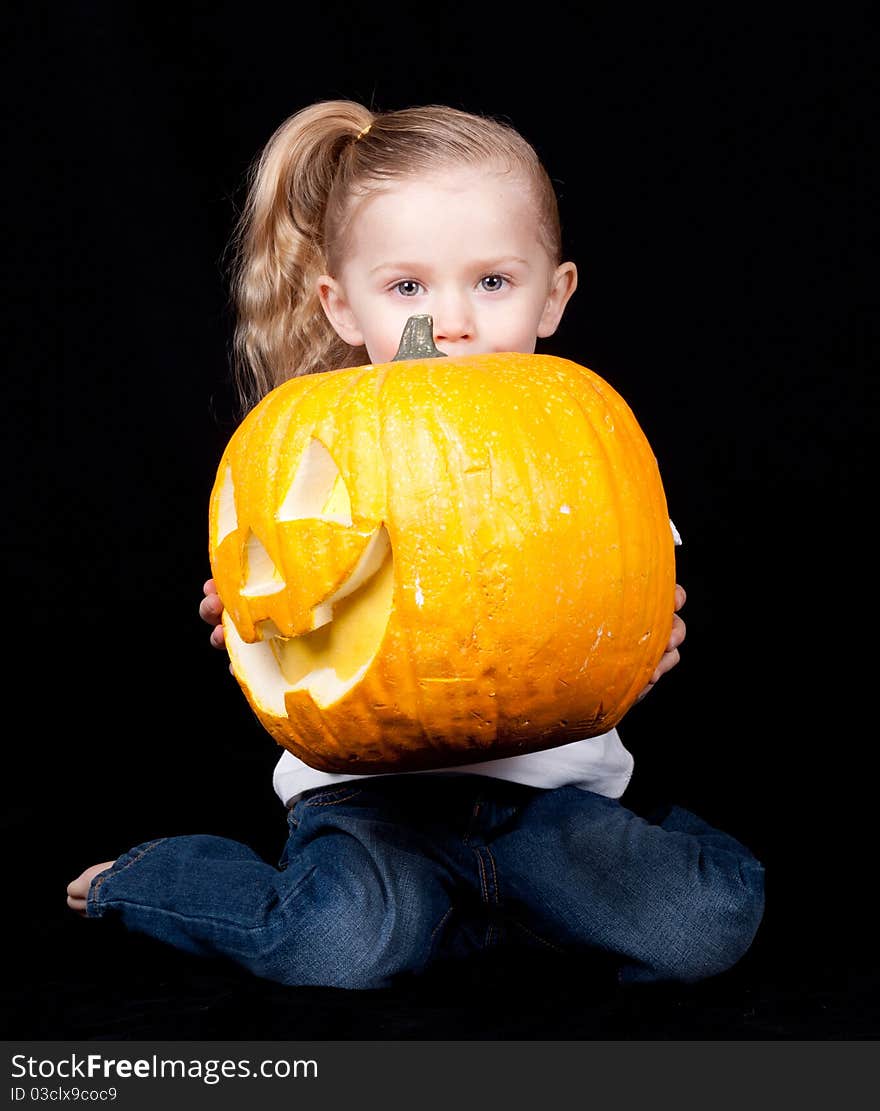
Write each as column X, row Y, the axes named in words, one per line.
column 453, row 320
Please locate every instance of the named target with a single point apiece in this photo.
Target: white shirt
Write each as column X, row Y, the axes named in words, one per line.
column 599, row 764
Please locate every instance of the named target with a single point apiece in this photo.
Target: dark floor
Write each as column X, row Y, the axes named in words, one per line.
column 812, row 973
column 94, row 981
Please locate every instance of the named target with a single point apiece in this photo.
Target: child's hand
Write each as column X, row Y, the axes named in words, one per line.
column 671, row 656
column 211, row 612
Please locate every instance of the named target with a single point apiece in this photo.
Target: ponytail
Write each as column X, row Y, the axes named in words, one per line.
column 279, row 250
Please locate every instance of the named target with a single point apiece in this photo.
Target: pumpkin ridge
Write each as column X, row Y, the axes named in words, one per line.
column 389, row 374
column 475, row 571
column 443, row 438
column 641, row 461
column 661, row 618
column 634, row 448
column 591, row 426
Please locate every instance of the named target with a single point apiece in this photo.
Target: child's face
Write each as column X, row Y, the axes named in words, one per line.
column 463, row 246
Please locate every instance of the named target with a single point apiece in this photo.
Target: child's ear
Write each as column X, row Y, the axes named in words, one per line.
column 337, row 311
column 564, row 283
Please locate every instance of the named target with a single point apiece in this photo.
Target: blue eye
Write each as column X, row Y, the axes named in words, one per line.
column 408, row 287
column 493, row 282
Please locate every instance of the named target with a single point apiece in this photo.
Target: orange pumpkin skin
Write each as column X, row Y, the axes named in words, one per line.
column 495, row 531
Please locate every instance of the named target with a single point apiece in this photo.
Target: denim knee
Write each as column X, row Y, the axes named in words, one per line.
column 713, row 933
column 351, row 935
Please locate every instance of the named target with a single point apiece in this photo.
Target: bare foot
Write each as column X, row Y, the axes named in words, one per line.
column 78, row 889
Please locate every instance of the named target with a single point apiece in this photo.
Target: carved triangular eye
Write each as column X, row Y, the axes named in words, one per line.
column 318, row 490
column 261, row 575
column 227, row 519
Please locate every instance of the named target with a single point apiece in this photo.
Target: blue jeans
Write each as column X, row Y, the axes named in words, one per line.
column 388, row 875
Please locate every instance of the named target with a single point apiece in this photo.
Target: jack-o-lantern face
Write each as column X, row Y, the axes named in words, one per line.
column 434, row 561
column 318, row 630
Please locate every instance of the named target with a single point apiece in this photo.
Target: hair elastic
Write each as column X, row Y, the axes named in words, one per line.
column 363, row 131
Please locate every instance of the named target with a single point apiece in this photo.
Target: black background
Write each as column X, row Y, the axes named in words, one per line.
column 716, row 190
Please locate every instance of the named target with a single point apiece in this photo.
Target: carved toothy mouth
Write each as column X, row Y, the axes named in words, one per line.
column 332, row 658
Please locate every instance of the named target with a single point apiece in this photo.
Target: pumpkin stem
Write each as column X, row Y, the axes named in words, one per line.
column 417, row 340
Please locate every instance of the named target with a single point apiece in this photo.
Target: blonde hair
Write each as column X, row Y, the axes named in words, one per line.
column 292, row 225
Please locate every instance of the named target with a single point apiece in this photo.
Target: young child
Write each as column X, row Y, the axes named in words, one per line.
column 354, row 222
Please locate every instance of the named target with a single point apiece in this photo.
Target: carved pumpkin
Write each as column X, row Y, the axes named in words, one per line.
column 440, row 560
